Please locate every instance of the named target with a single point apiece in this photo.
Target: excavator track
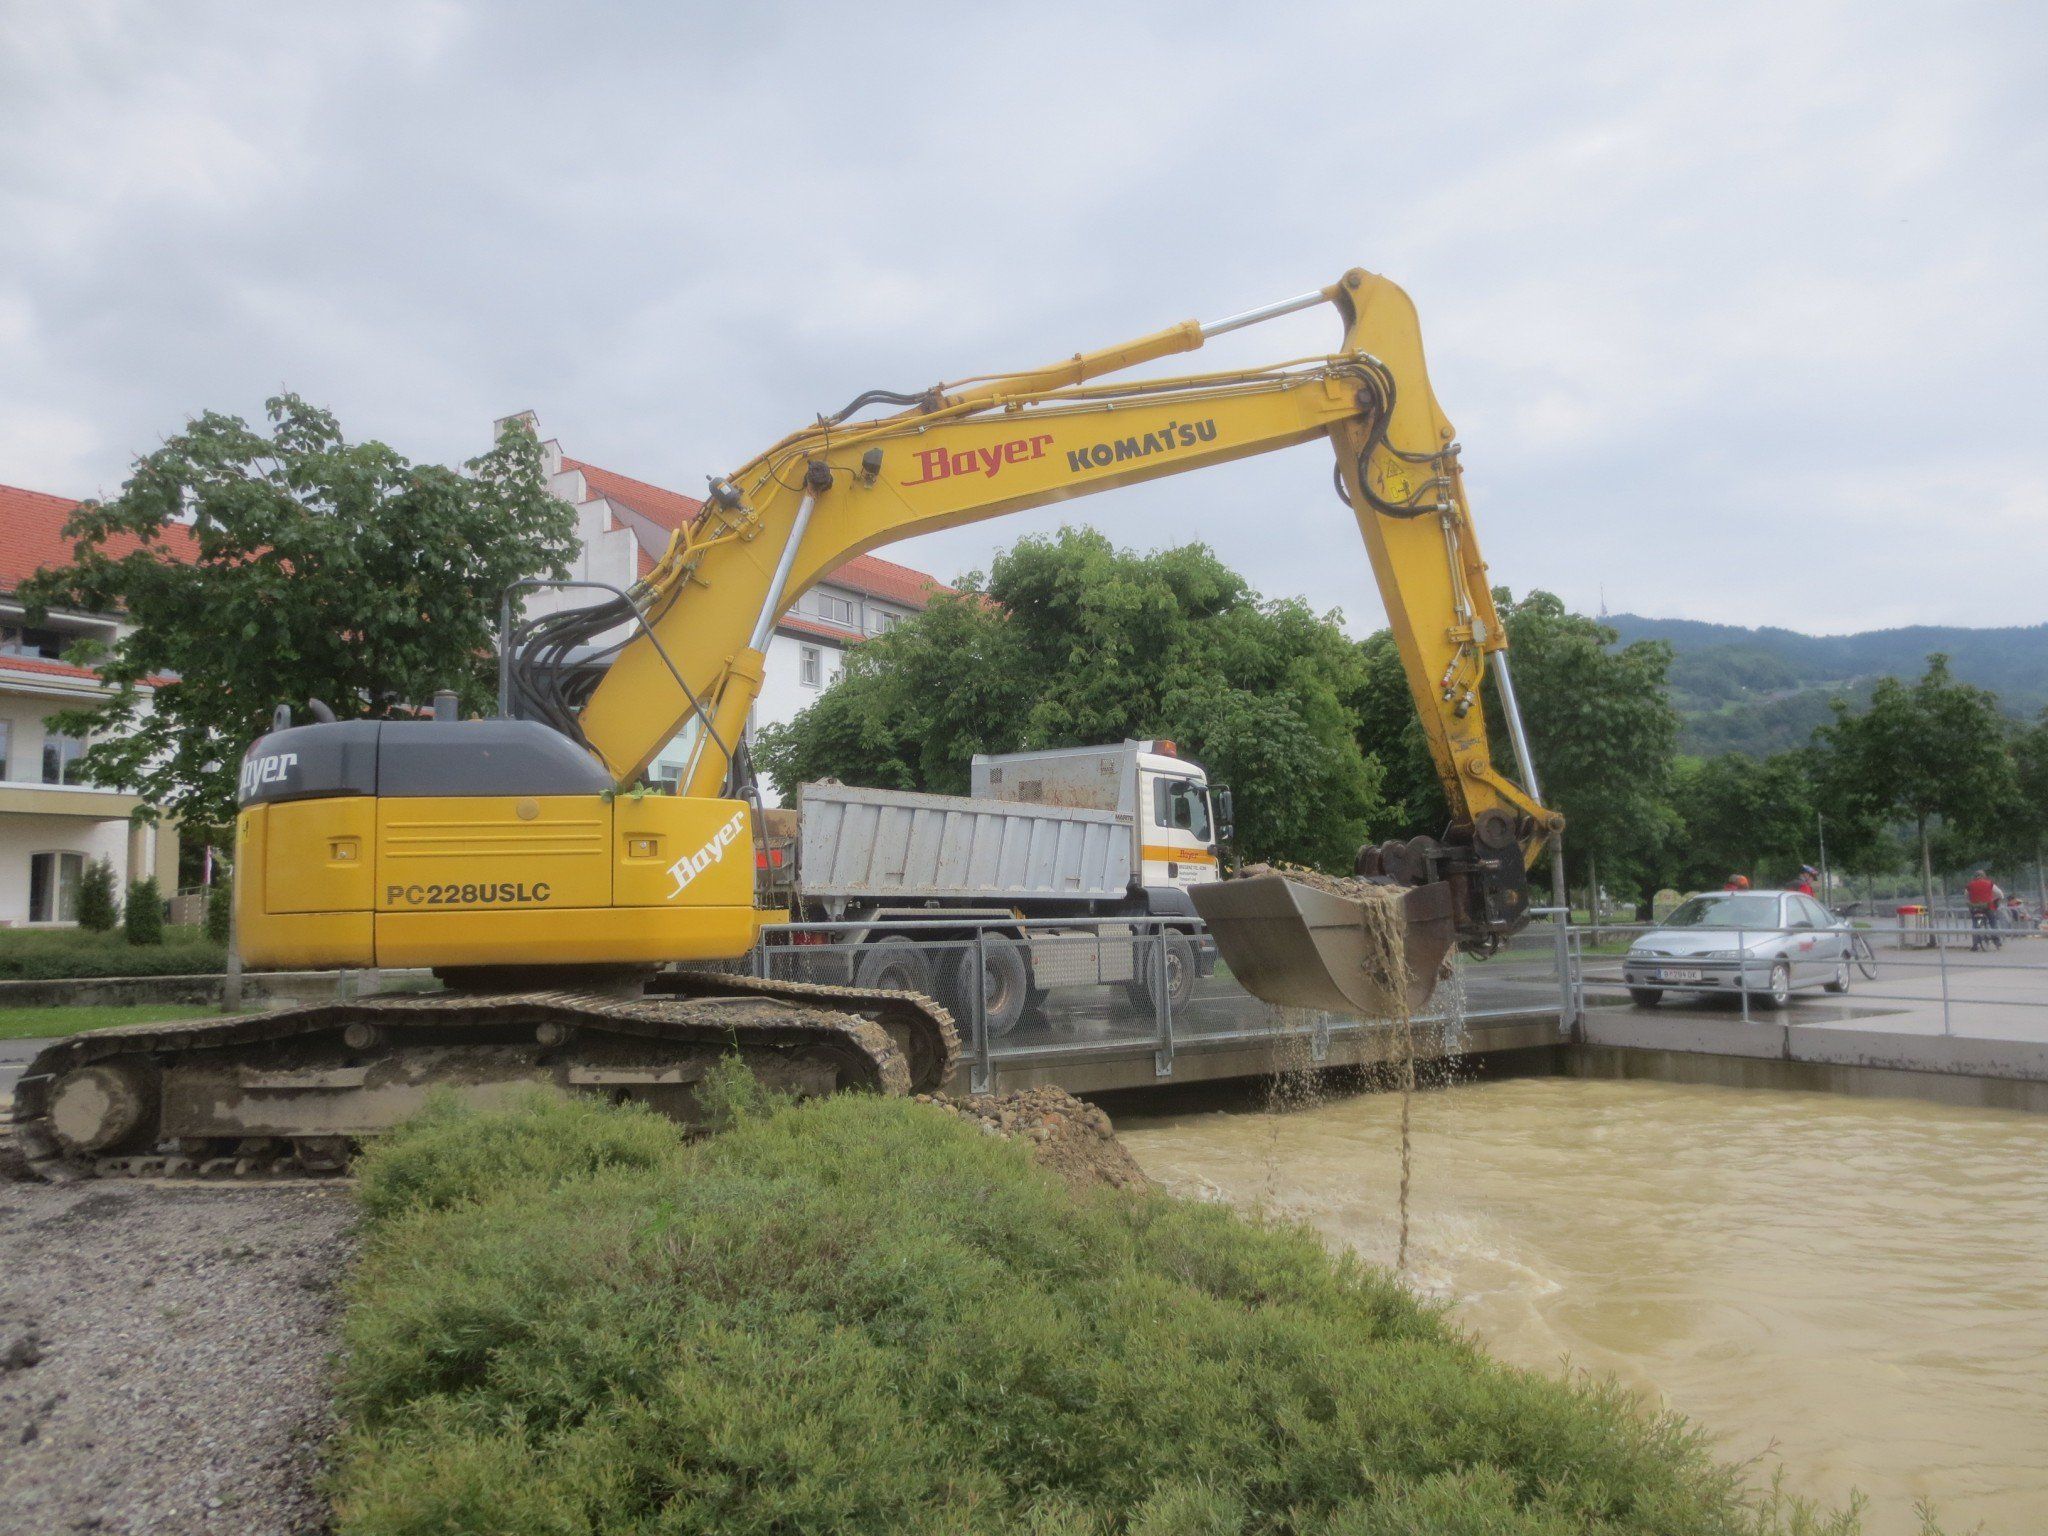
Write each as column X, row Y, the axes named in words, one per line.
column 922, row 1030
column 291, row 1092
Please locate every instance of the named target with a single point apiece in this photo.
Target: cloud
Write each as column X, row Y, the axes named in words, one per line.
column 1720, row 298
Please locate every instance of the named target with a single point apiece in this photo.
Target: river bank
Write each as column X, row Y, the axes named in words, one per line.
column 1856, row 1289
column 868, row 1315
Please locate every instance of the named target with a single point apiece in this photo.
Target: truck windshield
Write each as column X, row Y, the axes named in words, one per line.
column 1181, row 803
column 1755, row 910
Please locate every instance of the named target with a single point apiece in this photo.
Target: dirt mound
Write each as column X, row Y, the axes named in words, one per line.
column 1073, row 1139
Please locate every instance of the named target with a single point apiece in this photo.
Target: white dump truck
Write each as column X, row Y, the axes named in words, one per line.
column 1111, row 833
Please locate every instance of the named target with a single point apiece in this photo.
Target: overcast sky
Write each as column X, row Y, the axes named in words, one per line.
column 1740, row 309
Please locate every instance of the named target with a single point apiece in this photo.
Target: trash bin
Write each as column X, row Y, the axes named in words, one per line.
column 1916, row 928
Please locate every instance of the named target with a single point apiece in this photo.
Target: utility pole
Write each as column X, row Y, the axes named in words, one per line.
column 1826, row 886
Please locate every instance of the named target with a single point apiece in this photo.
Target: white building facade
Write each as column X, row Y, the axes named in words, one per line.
column 52, row 825
column 624, row 525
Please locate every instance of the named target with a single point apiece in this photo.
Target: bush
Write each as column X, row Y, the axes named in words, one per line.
column 53, row 954
column 864, row 1315
column 219, row 902
column 450, row 1156
column 144, row 918
column 97, row 912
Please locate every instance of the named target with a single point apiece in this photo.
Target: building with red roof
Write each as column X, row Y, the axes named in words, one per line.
column 52, row 825
column 623, row 526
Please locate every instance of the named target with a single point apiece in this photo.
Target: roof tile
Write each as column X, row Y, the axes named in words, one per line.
column 32, row 535
column 865, row 574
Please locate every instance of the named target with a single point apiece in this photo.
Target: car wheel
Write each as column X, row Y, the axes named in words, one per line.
column 1780, row 994
column 1841, row 981
column 1645, row 997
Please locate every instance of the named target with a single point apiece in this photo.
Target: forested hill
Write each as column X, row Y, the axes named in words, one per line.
column 1762, row 690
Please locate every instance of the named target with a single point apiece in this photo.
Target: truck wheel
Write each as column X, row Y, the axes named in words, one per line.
column 1006, row 985
column 1180, row 975
column 894, row 965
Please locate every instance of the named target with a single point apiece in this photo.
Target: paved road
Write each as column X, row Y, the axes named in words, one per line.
column 1999, row 994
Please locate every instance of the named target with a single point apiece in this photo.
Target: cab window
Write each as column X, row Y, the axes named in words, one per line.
column 1187, row 810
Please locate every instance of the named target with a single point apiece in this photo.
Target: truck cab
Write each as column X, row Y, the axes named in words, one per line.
column 1177, row 825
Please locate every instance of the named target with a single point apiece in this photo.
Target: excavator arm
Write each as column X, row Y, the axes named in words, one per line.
column 985, row 447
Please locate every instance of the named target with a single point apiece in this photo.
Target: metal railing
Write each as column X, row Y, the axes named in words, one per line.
column 1045, row 991
column 1048, row 991
column 1916, row 974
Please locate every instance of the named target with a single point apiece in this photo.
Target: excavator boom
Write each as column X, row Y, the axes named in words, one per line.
column 965, row 453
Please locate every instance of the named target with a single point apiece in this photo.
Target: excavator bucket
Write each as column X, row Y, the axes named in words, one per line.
column 1297, row 946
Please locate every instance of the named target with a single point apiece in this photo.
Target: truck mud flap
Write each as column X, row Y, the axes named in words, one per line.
column 1295, row 946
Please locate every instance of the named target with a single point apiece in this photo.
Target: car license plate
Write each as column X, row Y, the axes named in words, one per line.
column 1678, row 975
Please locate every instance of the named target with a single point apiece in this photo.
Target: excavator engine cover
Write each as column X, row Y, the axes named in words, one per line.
column 1295, row 946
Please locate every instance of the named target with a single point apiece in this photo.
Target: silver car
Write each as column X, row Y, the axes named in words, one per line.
column 1773, row 943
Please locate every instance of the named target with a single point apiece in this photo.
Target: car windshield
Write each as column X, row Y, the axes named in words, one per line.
column 1756, row 909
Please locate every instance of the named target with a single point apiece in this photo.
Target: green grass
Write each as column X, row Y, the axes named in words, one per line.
column 48, row 954
column 48, row 1023
column 862, row 1315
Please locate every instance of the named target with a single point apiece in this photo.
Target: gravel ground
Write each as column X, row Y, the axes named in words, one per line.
column 164, row 1355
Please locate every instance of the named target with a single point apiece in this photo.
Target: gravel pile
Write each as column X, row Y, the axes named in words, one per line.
column 1073, row 1139
column 164, row 1355
column 1356, row 888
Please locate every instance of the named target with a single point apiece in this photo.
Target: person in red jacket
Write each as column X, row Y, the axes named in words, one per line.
column 1806, row 877
column 1984, row 897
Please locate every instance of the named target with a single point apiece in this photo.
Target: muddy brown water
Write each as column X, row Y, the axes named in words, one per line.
column 1853, row 1289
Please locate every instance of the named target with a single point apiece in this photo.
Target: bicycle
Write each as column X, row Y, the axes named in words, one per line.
column 1864, row 957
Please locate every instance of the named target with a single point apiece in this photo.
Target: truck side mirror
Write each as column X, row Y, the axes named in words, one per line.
column 1226, row 818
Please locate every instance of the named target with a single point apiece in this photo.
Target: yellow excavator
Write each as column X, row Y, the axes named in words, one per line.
column 578, row 920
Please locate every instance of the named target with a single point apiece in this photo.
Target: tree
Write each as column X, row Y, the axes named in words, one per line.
column 318, row 568
column 1601, row 730
column 97, row 909
column 1738, row 815
column 1069, row 641
column 144, row 918
column 1933, row 752
column 219, row 903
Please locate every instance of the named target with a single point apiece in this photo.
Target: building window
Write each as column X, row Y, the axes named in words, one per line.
column 6, row 730
column 53, row 887
column 840, row 610
column 31, row 640
column 60, row 759
column 810, row 666
column 880, row 621
column 668, row 776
